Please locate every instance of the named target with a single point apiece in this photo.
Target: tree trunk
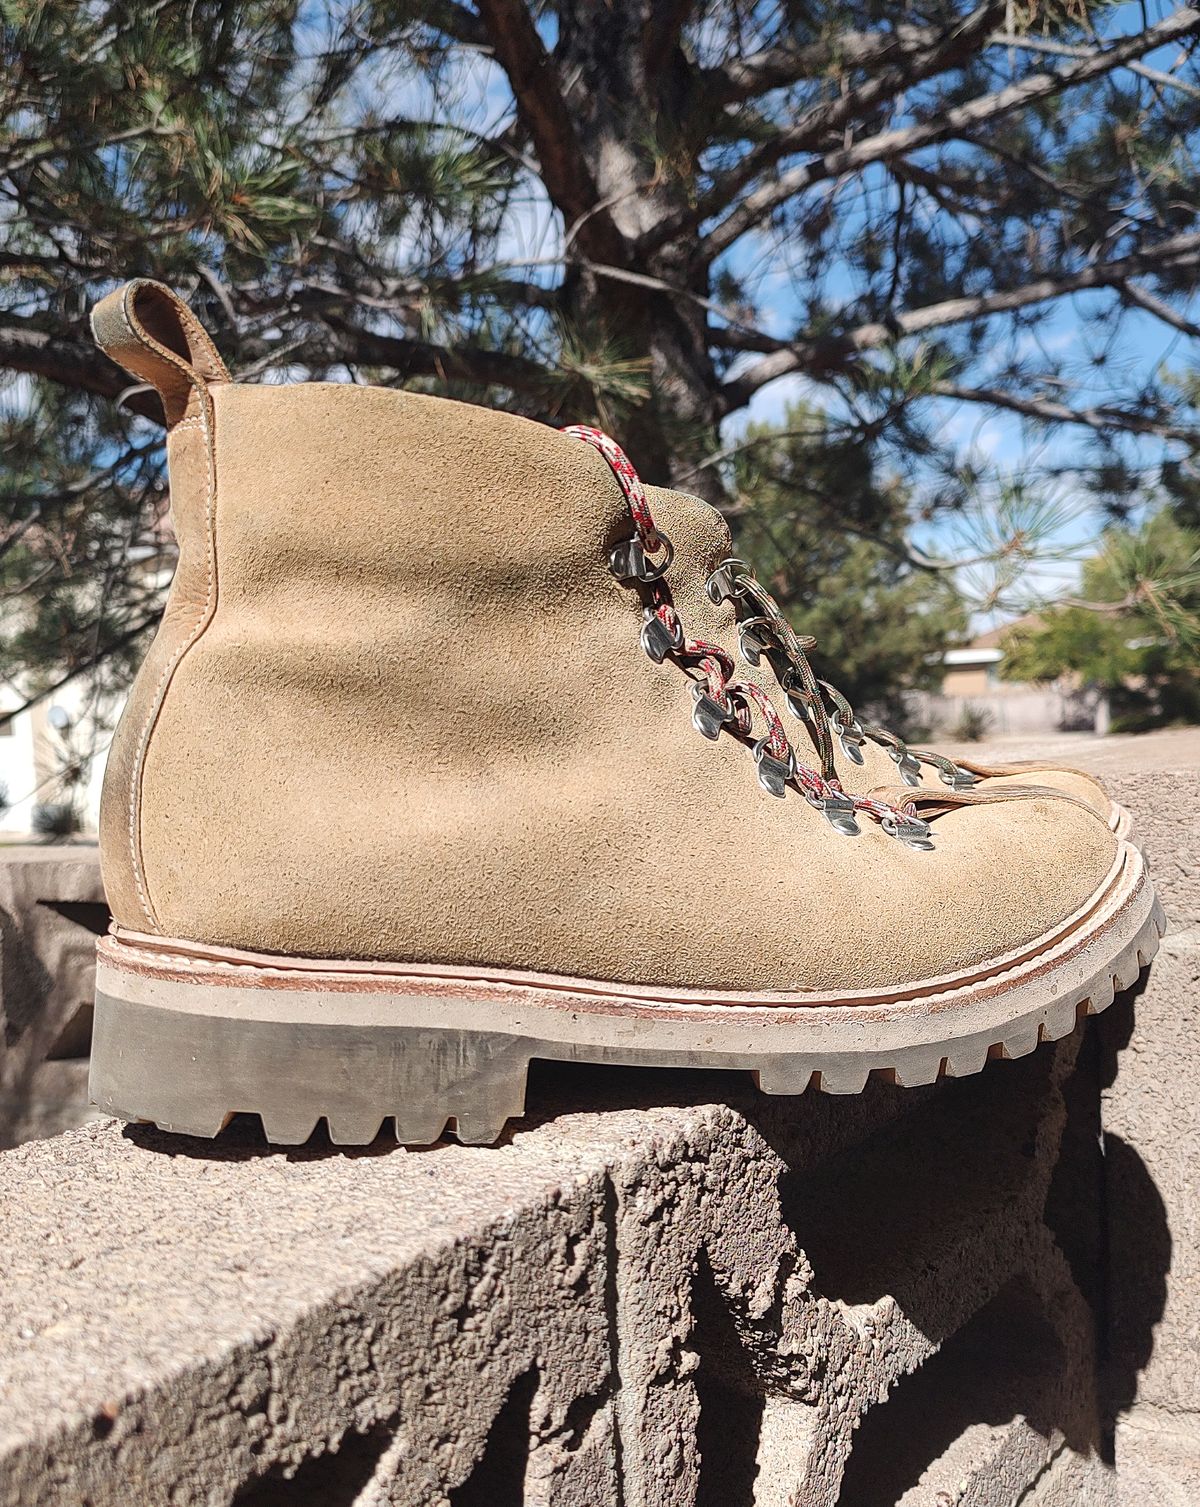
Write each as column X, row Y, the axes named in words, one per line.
column 617, row 107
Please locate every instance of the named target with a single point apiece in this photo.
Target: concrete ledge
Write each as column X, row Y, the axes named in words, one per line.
column 661, row 1291
column 51, row 910
column 694, row 1298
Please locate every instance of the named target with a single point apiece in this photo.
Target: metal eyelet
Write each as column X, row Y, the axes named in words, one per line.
column 961, row 779
column 851, row 738
column 773, row 773
column 907, row 764
column 838, row 811
column 722, row 584
column 709, row 716
column 910, row 830
column 657, row 639
column 628, row 560
column 753, row 641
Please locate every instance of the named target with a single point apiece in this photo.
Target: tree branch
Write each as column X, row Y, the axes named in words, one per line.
column 775, row 67
column 1048, row 410
column 122, row 641
column 459, row 23
column 889, row 144
column 1160, row 309
column 807, row 132
column 36, row 353
column 82, row 369
column 660, row 36
column 422, row 358
column 823, row 355
column 1065, row 50
column 533, row 78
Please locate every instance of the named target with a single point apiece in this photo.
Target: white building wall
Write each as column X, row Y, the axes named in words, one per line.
column 34, row 753
column 18, row 775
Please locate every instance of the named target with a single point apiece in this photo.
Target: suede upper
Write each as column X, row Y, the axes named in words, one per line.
column 398, row 709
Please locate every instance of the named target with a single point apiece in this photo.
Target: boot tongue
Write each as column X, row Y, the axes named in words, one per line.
column 929, row 803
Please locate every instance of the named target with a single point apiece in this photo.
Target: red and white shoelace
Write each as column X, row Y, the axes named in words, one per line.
column 721, row 699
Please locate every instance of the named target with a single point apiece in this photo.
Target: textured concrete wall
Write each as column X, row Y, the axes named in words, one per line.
column 661, row 1289
column 51, row 909
column 701, row 1302
column 1151, row 1118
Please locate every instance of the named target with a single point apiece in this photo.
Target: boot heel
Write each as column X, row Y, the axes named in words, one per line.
column 190, row 1064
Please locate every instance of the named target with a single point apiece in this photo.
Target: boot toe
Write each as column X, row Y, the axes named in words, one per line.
column 1001, row 878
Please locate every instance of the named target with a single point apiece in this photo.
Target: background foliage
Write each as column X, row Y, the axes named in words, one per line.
column 1127, row 636
column 644, row 213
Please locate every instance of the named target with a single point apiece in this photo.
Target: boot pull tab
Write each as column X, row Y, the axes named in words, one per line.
column 152, row 333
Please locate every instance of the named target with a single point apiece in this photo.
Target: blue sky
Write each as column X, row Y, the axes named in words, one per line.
column 1001, row 441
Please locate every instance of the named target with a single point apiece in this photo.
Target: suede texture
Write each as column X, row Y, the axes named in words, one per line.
column 418, row 725
column 702, row 538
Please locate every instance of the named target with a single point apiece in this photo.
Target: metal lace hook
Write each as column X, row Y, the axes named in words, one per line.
column 754, row 638
column 773, row 772
column 709, row 715
column 911, row 830
column 629, row 561
column 657, row 639
column 722, row 584
column 838, row 810
column 851, row 738
column 908, row 764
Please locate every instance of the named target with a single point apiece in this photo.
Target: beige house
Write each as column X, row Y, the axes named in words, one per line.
column 974, row 687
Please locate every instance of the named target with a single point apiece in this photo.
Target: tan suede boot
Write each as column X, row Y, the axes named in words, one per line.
column 429, row 772
column 865, row 756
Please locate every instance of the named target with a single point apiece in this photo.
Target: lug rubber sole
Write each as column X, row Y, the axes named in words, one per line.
column 187, row 1037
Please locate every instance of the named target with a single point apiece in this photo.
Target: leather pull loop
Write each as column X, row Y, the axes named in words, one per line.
column 152, row 333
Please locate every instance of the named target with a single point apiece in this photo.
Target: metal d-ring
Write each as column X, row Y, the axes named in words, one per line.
column 629, row 562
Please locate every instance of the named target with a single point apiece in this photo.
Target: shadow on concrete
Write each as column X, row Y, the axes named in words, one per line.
column 498, row 1479
column 730, row 1395
column 337, row 1478
column 1004, row 1364
column 243, row 1140
column 1137, row 1233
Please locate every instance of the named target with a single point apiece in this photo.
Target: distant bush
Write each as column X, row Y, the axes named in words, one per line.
column 973, row 723
column 53, row 820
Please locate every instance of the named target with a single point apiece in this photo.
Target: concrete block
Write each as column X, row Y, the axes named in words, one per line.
column 714, row 1303
column 51, row 910
column 1166, row 810
column 1159, row 1459
column 1151, row 1117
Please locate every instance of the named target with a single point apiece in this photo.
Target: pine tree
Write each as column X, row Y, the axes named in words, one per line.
column 1126, row 634
column 575, row 211
column 880, row 615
